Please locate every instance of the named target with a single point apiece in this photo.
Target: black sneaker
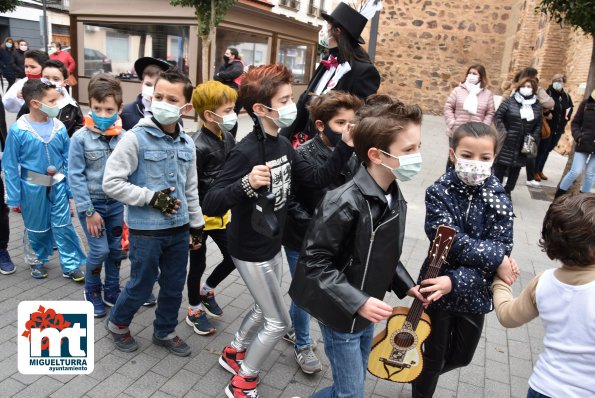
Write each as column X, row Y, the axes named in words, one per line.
column 199, row 322
column 175, row 345
column 151, row 301
column 124, row 342
column 211, row 306
column 76, row 275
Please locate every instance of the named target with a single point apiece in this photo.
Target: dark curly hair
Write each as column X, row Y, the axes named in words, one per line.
column 379, row 123
column 568, row 232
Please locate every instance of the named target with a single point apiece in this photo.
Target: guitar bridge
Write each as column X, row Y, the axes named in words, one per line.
column 393, row 363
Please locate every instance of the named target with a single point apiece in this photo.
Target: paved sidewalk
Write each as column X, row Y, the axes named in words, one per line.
column 500, row 368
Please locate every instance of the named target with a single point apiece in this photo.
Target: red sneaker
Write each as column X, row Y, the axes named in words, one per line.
column 231, row 359
column 242, row 387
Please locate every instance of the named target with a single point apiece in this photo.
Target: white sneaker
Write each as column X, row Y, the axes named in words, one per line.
column 533, row 183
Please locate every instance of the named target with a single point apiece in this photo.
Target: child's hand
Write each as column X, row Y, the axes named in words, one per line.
column 260, row 176
column 95, row 225
column 507, row 271
column 414, row 292
column 436, row 287
column 375, row 310
column 346, row 135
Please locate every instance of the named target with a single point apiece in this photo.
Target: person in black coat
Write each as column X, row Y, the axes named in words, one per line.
column 557, row 118
column 583, row 132
column 517, row 116
column 347, row 68
column 18, row 56
column 7, row 66
column 230, row 73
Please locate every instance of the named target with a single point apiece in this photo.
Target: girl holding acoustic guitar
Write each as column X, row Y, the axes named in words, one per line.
column 469, row 199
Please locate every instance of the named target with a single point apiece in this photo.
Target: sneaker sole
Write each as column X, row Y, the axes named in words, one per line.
column 226, row 367
column 176, row 353
column 228, row 392
column 107, row 303
column 74, row 279
column 198, row 331
column 8, row 272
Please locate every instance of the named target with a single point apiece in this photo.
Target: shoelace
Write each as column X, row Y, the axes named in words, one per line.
column 127, row 338
column 178, row 341
column 307, row 354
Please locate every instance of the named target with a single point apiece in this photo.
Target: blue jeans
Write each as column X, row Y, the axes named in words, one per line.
column 152, row 256
column 348, row 354
column 534, row 394
column 578, row 164
column 105, row 249
column 300, row 319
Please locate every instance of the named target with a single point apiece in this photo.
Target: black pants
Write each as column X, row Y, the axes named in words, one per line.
column 513, row 175
column 198, row 264
column 530, row 169
column 4, row 227
column 451, row 345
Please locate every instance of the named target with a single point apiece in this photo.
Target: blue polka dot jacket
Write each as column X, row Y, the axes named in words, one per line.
column 483, row 218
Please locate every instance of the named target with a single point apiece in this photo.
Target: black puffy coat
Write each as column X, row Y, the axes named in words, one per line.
column 562, row 102
column 211, row 152
column 18, row 57
column 304, row 199
column 509, row 122
column 7, row 65
column 583, row 126
column 351, row 253
column 227, row 73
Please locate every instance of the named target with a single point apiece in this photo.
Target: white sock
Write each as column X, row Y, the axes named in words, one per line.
column 205, row 289
column 197, row 307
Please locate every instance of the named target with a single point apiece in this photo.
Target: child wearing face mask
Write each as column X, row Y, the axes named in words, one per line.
column 471, row 200
column 263, row 163
column 34, row 61
column 38, row 144
column 153, row 171
column 214, row 103
column 331, row 114
column 101, row 217
column 148, row 70
column 351, row 252
column 54, row 72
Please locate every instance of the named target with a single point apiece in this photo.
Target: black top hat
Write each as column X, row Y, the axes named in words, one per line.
column 141, row 63
column 350, row 20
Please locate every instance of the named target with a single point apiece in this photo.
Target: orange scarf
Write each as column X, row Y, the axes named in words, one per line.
column 115, row 129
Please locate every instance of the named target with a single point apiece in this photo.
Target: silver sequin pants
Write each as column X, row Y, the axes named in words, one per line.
column 268, row 320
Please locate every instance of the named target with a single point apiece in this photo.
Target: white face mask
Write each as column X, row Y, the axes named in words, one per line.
column 472, row 79
column 228, row 121
column 526, row 91
column 558, row 86
column 165, row 113
column 287, row 115
column 147, row 92
column 472, row 172
column 409, row 166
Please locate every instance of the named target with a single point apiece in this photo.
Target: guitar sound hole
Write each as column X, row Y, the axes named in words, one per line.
column 404, row 339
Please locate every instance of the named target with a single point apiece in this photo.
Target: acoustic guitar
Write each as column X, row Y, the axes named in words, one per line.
column 396, row 351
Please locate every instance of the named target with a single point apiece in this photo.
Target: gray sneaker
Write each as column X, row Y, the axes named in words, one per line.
column 307, row 360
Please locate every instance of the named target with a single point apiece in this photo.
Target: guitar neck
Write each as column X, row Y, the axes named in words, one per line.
column 417, row 308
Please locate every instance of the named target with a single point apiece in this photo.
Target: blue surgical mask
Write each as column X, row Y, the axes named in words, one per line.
column 51, row 111
column 228, row 121
column 409, row 166
column 287, row 115
column 104, row 123
column 333, row 137
column 8, row 45
column 165, row 113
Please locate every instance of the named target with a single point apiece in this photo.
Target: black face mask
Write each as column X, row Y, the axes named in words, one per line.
column 332, row 136
column 225, row 59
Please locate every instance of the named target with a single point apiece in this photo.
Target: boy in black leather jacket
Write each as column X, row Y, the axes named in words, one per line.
column 353, row 245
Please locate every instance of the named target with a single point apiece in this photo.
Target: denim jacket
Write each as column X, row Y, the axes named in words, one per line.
column 87, row 159
column 145, row 161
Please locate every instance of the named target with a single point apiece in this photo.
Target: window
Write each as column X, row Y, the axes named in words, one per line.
column 297, row 58
column 253, row 48
column 113, row 48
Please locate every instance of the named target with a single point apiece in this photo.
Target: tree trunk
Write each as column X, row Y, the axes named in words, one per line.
column 576, row 186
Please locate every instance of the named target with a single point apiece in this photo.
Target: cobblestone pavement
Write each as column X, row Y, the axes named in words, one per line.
column 500, row 368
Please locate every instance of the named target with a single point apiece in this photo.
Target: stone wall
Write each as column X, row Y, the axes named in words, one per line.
column 425, row 47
